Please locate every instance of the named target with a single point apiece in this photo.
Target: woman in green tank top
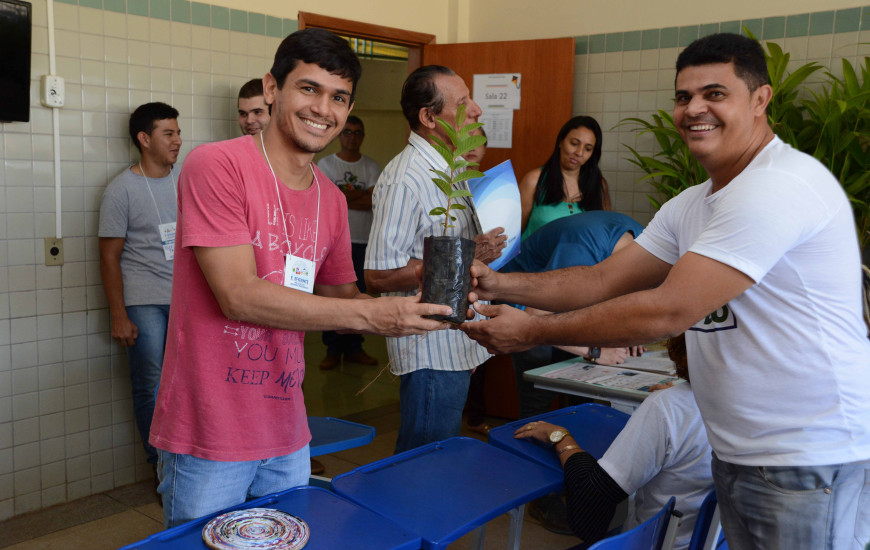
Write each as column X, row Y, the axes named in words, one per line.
column 570, row 181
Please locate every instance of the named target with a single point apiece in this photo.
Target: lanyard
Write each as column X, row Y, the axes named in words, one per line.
column 148, row 184
column 280, row 206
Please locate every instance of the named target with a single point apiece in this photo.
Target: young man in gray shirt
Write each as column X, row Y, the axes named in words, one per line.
column 137, row 246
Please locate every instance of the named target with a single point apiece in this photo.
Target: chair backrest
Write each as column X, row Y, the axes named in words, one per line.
column 649, row 535
column 707, row 528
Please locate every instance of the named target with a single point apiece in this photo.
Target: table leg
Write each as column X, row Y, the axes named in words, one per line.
column 477, row 537
column 516, row 527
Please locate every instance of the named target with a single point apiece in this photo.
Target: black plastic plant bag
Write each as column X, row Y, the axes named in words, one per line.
column 446, row 274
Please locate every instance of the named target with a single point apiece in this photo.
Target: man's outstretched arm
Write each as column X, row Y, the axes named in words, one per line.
column 693, row 288
column 232, row 276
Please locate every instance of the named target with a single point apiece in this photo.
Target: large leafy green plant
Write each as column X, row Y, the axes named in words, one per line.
column 460, row 143
column 673, row 168
column 830, row 121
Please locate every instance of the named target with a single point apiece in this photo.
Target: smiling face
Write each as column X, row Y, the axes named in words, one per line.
column 162, row 145
column 253, row 114
column 311, row 109
column 576, row 148
column 721, row 121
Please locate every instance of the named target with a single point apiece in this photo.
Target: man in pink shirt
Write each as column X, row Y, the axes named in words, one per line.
column 261, row 229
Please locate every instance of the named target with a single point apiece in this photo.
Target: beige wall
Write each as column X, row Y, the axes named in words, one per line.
column 492, row 20
column 429, row 16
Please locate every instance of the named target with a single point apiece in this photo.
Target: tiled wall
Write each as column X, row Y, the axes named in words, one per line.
column 66, row 420
column 631, row 74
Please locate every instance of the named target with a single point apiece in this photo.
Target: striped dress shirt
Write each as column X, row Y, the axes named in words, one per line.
column 403, row 197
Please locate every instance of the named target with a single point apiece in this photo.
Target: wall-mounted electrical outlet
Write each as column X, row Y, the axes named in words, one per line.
column 53, row 251
column 52, row 90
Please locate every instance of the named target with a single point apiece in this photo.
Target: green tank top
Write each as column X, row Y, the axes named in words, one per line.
column 543, row 214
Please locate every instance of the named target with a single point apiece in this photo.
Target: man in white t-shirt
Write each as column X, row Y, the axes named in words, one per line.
column 356, row 175
column 761, row 265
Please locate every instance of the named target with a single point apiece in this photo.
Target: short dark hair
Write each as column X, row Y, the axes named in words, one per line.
column 320, row 47
column 419, row 91
column 145, row 116
column 353, row 119
column 251, row 88
column 750, row 64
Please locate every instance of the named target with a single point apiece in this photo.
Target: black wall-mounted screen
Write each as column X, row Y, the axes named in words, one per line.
column 15, row 21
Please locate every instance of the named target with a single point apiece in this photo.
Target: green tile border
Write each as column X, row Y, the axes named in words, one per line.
column 119, row 6
column 631, row 41
column 200, row 14
column 161, row 9
column 797, row 25
column 669, row 37
column 238, row 20
column 822, row 23
column 274, row 27
column 220, row 17
column 180, row 11
column 848, row 20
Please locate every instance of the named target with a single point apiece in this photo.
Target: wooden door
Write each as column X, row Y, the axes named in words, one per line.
column 547, row 69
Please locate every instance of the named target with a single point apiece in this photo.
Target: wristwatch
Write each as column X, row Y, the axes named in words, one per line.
column 594, row 353
column 557, row 436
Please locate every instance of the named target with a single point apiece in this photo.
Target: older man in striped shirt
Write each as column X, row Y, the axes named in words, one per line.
column 434, row 369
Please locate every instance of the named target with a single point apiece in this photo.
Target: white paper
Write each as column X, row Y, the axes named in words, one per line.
column 501, row 91
column 499, row 127
column 497, row 204
column 611, row 377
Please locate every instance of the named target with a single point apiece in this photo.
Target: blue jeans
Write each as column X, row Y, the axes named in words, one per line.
column 812, row 507
column 193, row 487
column 342, row 344
column 431, row 403
column 146, row 363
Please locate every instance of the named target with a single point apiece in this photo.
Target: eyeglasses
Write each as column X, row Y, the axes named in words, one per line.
column 354, row 133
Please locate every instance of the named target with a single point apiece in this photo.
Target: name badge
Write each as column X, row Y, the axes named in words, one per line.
column 167, row 239
column 299, row 273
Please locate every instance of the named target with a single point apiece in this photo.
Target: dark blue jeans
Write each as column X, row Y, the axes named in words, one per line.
column 339, row 344
column 146, row 363
column 431, row 403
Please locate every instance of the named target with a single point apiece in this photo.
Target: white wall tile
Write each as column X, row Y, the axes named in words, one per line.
column 78, row 468
column 23, row 355
column 53, row 474
column 23, row 329
column 26, row 481
column 115, row 24
column 75, row 323
column 51, row 431
column 26, row 406
column 7, row 465
column 53, row 495
column 21, row 278
column 52, row 450
column 76, row 395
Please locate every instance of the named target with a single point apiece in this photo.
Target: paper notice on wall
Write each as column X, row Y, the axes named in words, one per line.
column 499, row 127
column 498, row 91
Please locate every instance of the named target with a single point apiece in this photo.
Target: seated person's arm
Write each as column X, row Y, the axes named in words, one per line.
column 592, row 494
column 528, row 185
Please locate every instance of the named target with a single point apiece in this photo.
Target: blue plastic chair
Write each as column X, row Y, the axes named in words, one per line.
column 707, row 524
column 656, row 533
